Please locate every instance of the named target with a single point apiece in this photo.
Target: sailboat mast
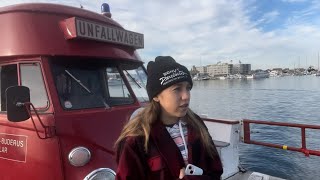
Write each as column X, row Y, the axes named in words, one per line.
column 318, row 61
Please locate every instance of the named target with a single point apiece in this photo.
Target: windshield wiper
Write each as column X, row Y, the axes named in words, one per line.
column 87, row 89
column 134, row 80
column 78, row 81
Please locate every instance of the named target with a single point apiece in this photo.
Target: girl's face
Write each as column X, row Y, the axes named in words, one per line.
column 174, row 101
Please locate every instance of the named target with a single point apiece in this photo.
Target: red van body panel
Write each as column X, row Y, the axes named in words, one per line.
column 35, row 159
column 33, row 33
column 34, row 29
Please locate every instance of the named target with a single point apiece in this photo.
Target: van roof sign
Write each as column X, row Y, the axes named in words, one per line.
column 75, row 28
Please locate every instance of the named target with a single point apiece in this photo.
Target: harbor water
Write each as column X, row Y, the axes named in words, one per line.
column 294, row 99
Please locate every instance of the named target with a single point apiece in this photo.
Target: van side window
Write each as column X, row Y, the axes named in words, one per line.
column 8, row 77
column 32, row 78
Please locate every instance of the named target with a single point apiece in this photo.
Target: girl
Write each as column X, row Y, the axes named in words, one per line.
column 166, row 136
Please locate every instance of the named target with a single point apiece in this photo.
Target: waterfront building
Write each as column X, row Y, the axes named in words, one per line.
column 223, row 69
column 219, row 69
column 201, row 69
column 243, row 69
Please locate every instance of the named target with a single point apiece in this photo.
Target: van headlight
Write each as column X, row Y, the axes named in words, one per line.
column 101, row 174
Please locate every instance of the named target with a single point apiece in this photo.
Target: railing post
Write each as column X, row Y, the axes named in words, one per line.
column 246, row 132
column 303, row 142
column 303, row 137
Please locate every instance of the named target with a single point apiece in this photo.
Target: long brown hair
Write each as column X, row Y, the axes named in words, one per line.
column 141, row 126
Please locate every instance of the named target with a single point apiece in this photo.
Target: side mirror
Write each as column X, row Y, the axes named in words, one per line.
column 16, row 97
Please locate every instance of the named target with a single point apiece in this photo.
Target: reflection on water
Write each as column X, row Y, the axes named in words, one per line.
column 285, row 99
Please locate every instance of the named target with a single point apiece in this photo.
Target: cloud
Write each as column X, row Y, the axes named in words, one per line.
column 267, row 18
column 212, row 31
column 306, row 15
column 294, row 1
column 204, row 32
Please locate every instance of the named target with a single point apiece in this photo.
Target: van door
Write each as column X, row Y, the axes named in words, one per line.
column 23, row 155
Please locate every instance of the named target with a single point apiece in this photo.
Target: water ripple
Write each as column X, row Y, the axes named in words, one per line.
column 286, row 99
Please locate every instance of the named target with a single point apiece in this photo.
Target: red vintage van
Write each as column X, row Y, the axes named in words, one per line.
column 70, row 78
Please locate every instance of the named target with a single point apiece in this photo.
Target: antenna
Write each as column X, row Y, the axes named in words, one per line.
column 81, row 6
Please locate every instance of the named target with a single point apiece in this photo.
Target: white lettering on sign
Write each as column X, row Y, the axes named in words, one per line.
column 91, row 30
column 3, row 150
column 172, row 75
column 11, row 142
column 13, row 147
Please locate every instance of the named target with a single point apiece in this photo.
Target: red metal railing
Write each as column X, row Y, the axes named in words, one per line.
column 221, row 121
column 303, row 127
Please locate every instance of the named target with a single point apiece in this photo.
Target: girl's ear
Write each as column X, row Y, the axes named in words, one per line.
column 156, row 99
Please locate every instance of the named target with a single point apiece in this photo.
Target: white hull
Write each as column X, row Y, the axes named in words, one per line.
column 249, row 76
column 226, row 137
column 258, row 75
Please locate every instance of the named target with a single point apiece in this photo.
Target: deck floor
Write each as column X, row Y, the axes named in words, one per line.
column 252, row 176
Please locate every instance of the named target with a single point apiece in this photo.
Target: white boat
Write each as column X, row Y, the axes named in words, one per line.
column 275, row 73
column 258, row 75
column 250, row 76
column 230, row 76
column 205, row 78
column 199, row 77
column 195, row 78
column 239, row 76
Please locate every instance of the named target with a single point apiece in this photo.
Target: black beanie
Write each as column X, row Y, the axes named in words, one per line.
column 164, row 72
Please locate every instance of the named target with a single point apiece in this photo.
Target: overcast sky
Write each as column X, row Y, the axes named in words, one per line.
column 264, row 33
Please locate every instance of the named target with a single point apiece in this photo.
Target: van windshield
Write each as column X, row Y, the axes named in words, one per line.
column 90, row 83
column 138, row 81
